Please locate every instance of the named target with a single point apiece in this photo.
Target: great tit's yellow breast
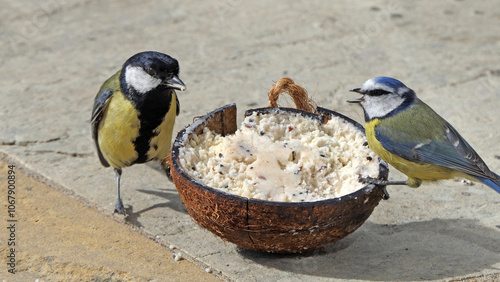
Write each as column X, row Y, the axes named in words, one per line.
column 159, row 146
column 118, row 128
column 411, row 169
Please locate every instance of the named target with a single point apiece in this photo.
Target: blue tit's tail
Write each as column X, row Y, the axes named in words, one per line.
column 495, row 184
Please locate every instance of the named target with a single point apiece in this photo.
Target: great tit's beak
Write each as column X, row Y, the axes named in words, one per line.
column 176, row 83
column 357, row 90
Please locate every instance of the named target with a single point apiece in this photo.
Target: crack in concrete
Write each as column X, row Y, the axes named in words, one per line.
column 477, row 77
column 28, row 142
column 72, row 154
column 280, row 44
column 210, row 254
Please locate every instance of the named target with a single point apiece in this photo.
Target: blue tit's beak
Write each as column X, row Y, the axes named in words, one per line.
column 357, row 90
column 176, row 83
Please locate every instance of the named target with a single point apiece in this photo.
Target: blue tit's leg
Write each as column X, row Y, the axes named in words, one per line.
column 119, row 205
column 412, row 182
column 371, row 180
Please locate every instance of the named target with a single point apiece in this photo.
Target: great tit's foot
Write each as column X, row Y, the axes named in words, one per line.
column 119, row 207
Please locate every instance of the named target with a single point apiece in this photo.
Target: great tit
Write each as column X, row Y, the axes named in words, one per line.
column 405, row 132
column 134, row 113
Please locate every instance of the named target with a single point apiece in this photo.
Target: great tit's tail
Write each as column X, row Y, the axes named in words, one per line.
column 495, row 184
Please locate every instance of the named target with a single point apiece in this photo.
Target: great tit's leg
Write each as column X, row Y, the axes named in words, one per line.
column 119, row 204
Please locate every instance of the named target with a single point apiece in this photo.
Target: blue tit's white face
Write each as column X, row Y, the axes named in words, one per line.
column 138, row 79
column 382, row 95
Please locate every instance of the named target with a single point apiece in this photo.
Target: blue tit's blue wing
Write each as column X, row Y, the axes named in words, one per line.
column 495, row 184
column 450, row 150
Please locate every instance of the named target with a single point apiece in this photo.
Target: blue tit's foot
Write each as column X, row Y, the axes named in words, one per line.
column 371, row 180
column 378, row 182
column 386, row 195
column 119, row 207
column 413, row 182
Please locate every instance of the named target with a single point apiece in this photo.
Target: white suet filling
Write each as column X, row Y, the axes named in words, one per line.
column 282, row 157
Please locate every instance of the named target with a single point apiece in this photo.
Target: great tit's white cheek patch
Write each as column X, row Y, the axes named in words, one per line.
column 140, row 80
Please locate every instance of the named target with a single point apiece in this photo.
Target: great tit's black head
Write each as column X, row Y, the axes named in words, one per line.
column 382, row 96
column 146, row 71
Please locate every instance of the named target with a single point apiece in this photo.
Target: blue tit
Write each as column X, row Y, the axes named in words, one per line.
column 405, row 132
column 134, row 113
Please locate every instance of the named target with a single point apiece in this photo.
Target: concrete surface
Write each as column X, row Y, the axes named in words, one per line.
column 55, row 54
column 62, row 239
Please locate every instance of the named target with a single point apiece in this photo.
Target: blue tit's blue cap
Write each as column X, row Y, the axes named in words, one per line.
column 389, row 81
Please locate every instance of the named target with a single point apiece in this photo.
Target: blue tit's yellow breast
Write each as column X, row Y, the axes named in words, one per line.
column 411, row 169
column 118, row 128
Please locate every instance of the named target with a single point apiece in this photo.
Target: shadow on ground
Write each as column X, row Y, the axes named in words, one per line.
column 171, row 200
column 433, row 249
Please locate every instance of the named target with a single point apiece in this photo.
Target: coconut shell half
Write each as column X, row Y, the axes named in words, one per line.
column 278, row 227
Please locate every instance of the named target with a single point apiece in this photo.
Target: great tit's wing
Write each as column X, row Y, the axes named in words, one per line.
column 448, row 150
column 101, row 101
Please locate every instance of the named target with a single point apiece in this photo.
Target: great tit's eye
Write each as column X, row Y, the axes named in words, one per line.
column 377, row 92
column 150, row 71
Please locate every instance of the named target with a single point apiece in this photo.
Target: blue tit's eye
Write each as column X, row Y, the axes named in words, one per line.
column 377, row 92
